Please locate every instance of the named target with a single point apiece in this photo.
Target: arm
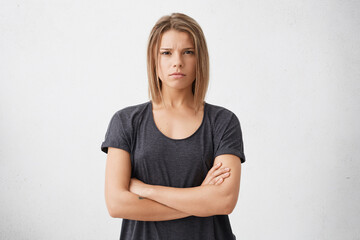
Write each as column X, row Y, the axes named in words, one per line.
column 144, row 209
column 202, row 201
column 121, row 203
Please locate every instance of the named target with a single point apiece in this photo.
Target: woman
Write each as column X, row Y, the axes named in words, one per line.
column 163, row 174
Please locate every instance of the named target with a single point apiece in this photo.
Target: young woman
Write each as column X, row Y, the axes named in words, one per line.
column 174, row 162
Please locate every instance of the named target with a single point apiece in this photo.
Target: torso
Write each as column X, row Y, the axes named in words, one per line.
column 158, row 160
column 177, row 124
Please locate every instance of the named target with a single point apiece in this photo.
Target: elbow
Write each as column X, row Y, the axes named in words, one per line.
column 228, row 210
column 113, row 210
column 114, row 205
column 113, row 214
column 224, row 206
column 230, row 203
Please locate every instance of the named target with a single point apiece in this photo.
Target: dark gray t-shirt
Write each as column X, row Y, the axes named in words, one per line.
column 159, row 160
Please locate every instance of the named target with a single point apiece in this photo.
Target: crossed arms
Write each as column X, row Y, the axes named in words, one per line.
column 129, row 198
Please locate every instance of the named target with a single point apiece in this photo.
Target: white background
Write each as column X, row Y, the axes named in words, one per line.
column 289, row 70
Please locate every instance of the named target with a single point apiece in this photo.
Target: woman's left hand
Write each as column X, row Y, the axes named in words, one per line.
column 137, row 187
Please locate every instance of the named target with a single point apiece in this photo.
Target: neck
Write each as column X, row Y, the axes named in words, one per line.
column 177, row 98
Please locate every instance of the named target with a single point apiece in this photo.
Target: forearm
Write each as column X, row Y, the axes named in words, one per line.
column 128, row 205
column 201, row 201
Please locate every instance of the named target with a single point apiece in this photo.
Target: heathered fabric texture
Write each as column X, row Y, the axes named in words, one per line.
column 159, row 160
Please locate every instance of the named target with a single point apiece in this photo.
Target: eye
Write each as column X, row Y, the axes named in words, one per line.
column 165, row 53
column 189, row 52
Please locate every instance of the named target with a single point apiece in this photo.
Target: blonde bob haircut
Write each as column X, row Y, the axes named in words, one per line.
column 183, row 23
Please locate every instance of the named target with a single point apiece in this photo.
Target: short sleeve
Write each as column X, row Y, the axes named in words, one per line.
column 116, row 135
column 231, row 141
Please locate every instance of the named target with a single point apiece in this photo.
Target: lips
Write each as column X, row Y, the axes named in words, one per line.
column 177, row 74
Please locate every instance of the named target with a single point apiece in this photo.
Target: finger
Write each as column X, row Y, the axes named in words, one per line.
column 213, row 181
column 225, row 175
column 208, row 179
column 219, row 181
column 213, row 177
column 210, row 175
column 215, row 167
column 218, row 172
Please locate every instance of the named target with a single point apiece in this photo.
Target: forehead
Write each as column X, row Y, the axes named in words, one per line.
column 173, row 38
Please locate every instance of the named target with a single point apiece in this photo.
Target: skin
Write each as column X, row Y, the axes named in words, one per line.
column 177, row 54
column 130, row 198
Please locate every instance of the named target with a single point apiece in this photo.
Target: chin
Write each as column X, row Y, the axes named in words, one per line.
column 175, row 84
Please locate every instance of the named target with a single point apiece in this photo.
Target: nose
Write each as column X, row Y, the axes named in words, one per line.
column 178, row 61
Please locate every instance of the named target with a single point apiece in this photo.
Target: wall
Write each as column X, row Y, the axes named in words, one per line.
column 288, row 69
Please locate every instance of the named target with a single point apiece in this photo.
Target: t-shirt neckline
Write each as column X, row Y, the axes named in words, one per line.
column 173, row 139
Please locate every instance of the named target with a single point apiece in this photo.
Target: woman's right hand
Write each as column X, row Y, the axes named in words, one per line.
column 215, row 175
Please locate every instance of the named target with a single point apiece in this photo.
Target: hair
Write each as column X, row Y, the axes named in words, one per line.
column 182, row 23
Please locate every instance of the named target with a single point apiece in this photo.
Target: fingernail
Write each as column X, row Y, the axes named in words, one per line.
column 218, row 164
column 227, row 169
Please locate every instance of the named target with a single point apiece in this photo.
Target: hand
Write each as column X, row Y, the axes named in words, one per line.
column 215, row 175
column 138, row 187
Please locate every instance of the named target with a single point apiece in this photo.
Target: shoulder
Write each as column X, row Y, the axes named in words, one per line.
column 222, row 118
column 217, row 112
column 132, row 111
column 129, row 116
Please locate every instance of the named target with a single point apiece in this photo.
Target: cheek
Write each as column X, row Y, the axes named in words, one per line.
column 163, row 63
column 161, row 67
column 193, row 64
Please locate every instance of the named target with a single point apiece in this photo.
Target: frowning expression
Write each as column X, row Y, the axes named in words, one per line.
column 177, row 60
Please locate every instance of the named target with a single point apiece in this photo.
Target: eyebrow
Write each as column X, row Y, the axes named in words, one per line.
column 171, row 48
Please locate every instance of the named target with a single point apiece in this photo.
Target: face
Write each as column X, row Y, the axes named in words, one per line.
column 177, row 55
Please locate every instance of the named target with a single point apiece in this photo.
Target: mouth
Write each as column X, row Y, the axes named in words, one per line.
column 177, row 75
